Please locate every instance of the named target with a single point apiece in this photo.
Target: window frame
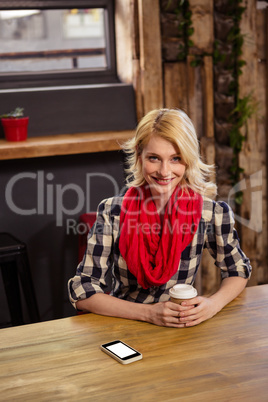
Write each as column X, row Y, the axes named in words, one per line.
column 65, row 78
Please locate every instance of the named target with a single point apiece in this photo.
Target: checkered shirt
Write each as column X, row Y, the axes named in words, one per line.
column 103, row 269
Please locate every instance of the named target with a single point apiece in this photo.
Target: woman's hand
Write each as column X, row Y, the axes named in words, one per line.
column 188, row 314
column 203, row 309
column 207, row 307
column 167, row 314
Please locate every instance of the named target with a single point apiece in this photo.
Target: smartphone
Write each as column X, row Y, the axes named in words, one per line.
column 121, row 352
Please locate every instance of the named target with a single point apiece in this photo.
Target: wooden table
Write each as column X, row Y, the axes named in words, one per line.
column 223, row 359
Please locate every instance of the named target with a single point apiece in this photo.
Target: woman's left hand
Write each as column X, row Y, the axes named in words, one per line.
column 204, row 309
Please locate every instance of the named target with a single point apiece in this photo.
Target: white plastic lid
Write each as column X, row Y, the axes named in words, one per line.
column 183, row 291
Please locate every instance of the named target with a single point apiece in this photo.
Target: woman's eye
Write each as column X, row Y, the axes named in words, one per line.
column 177, row 158
column 153, row 158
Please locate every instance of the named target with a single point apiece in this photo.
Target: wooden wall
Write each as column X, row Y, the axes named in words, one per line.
column 253, row 158
column 148, row 58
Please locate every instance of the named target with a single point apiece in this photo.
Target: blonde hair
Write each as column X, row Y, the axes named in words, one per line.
column 174, row 126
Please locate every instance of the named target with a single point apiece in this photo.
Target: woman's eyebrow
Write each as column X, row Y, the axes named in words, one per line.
column 154, row 154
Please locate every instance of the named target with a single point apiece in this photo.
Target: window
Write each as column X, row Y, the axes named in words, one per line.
column 58, row 63
column 47, row 40
column 58, row 41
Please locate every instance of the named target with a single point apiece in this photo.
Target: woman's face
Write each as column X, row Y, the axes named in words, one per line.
column 162, row 166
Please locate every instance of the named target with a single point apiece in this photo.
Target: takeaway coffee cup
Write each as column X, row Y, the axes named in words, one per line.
column 182, row 292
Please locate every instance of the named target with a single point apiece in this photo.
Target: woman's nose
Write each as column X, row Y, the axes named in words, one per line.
column 164, row 169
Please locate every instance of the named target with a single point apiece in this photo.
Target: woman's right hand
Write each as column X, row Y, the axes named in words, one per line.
column 167, row 314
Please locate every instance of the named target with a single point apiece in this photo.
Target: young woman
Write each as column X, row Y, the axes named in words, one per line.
column 152, row 237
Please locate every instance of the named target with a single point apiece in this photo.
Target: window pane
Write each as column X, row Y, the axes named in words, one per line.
column 52, row 40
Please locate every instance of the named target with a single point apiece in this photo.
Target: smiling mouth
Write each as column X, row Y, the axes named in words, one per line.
column 163, row 182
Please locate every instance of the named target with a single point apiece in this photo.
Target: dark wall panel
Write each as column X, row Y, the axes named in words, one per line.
column 41, row 200
column 103, row 107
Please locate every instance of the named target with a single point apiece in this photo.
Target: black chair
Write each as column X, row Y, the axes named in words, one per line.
column 16, row 274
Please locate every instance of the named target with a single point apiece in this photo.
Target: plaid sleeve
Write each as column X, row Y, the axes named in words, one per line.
column 93, row 273
column 223, row 243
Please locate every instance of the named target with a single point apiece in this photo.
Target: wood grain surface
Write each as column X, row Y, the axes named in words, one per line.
column 68, row 144
column 223, row 359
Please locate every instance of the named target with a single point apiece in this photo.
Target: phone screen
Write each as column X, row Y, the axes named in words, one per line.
column 121, row 350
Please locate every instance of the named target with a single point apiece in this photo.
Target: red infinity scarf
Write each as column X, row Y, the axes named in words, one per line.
column 153, row 250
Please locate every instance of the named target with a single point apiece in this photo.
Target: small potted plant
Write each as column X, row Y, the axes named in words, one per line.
column 15, row 125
